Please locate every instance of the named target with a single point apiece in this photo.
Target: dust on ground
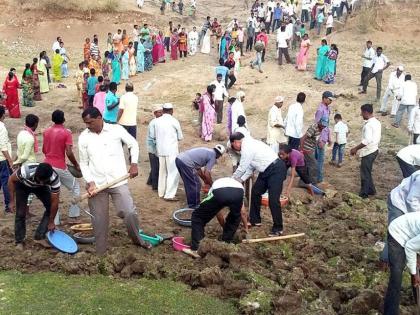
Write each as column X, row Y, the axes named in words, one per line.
column 333, row 269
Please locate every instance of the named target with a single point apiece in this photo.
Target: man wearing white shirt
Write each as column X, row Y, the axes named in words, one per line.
column 407, row 98
column 283, row 40
column 367, row 61
column 379, row 64
column 275, row 125
column 167, row 133
column 219, row 94
column 404, row 246
column 396, row 79
column 102, row 161
column 237, row 109
column 336, row 8
column 6, row 161
column 330, row 23
column 252, row 19
column 127, row 112
column 289, row 30
column 193, row 41
column 135, row 38
column 409, row 159
column 261, row 11
column 294, row 122
column 306, row 6
column 369, row 147
column 256, row 155
column 414, row 124
column 56, row 44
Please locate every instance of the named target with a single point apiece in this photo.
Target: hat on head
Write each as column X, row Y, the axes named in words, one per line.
column 157, row 107
column 279, row 99
column 323, row 121
column 328, row 94
column 167, row 106
column 400, row 67
column 220, row 148
column 240, row 94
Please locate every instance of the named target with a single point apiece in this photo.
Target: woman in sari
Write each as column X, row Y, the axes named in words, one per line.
column 209, row 114
column 174, row 45
column 86, row 49
column 140, row 56
column 35, row 80
column 148, row 60
column 57, row 60
column 106, row 65
column 321, row 60
column 10, row 88
column 125, row 64
column 206, row 45
column 303, row 55
column 94, row 63
column 161, row 45
column 85, row 97
column 116, row 67
column 331, row 65
column 42, row 75
column 131, row 59
column 125, row 39
column 155, row 50
column 28, row 93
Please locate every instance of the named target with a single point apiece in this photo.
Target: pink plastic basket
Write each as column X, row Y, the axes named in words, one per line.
column 178, row 243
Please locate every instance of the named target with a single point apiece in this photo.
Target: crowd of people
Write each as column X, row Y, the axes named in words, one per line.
column 257, row 166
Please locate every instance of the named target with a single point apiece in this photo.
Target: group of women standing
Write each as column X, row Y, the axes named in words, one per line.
column 326, row 64
column 35, row 81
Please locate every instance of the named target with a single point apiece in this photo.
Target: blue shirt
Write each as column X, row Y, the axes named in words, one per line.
column 222, row 70
column 111, row 115
column 277, row 13
column 91, row 84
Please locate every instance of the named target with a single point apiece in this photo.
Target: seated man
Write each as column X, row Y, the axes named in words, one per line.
column 295, row 159
column 225, row 192
column 41, row 180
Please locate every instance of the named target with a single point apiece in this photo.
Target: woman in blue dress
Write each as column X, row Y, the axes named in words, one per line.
column 331, row 65
column 321, row 61
column 140, row 56
column 148, row 60
column 116, row 67
column 125, row 64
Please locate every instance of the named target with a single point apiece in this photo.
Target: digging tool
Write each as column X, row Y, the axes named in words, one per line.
column 191, row 253
column 269, row 239
column 103, row 187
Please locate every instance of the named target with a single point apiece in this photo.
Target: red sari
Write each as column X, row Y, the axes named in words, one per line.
column 10, row 88
column 174, row 46
column 158, row 51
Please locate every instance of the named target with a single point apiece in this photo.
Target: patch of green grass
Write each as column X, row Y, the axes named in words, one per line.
column 259, row 281
column 256, row 302
column 48, row 293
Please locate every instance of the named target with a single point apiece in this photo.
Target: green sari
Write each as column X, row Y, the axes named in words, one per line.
column 321, row 62
column 27, row 90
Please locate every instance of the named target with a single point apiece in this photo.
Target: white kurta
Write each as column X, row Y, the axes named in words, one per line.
column 237, row 110
column 275, row 135
column 205, row 46
column 192, row 42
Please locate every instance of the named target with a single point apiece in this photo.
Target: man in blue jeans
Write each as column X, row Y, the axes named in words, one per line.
column 6, row 161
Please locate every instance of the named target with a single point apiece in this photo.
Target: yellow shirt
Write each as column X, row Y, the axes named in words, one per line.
column 25, row 148
column 129, row 103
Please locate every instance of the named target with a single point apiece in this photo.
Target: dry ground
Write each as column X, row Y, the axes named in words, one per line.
column 332, row 270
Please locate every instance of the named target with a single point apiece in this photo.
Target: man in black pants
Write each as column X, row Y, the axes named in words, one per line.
column 41, row 180
column 230, row 64
column 371, row 136
column 225, row 192
column 256, row 155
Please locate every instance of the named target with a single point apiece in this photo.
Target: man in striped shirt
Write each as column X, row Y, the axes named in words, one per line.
column 41, row 180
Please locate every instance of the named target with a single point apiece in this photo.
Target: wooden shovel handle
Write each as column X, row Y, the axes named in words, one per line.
column 103, row 187
column 275, row 238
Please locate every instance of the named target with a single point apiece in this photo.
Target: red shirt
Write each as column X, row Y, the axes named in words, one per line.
column 55, row 140
column 264, row 38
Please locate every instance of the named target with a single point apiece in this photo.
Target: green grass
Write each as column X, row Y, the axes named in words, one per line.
column 48, row 293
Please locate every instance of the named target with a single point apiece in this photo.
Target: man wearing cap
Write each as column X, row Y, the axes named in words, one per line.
column 256, row 155
column 396, row 80
column 294, row 121
column 309, row 144
column 102, row 160
column 275, row 125
column 323, row 112
column 194, row 164
column 153, row 179
column 219, row 94
column 369, row 148
column 236, row 110
column 379, row 64
column 57, row 144
column 166, row 134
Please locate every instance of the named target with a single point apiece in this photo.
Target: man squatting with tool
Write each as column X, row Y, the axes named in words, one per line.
column 102, row 161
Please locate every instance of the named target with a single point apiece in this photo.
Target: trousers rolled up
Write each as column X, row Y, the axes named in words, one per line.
column 153, row 179
column 378, row 78
column 272, row 180
column 218, row 199
column 123, row 204
column 71, row 183
column 168, row 177
column 395, row 103
column 192, row 183
column 21, row 194
column 219, row 110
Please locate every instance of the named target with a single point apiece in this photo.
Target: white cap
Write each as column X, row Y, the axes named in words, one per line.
column 220, row 148
column 279, row 99
column 400, row 67
column 157, row 107
column 167, row 106
column 240, row 94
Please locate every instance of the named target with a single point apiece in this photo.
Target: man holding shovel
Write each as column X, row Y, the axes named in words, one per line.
column 102, row 161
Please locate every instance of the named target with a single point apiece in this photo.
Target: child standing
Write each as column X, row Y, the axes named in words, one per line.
column 414, row 124
column 91, row 85
column 341, row 132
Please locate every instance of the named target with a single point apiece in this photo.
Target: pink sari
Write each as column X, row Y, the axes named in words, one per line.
column 174, row 46
column 158, row 51
column 209, row 118
column 303, row 55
